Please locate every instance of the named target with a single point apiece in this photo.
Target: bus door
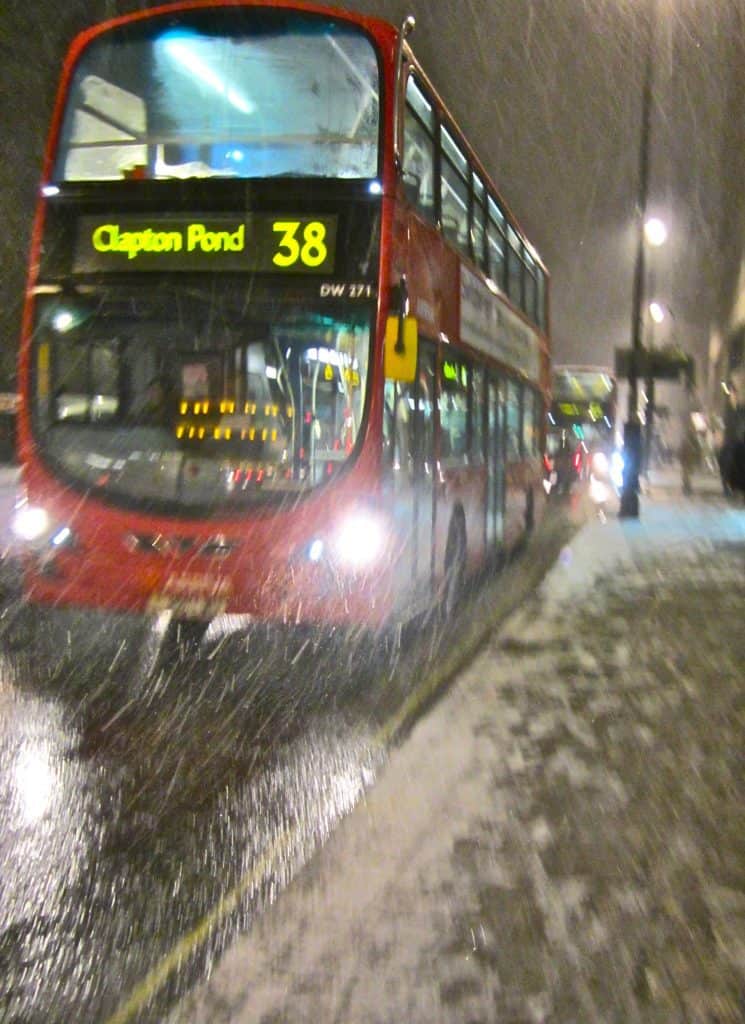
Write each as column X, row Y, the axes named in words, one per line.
column 495, row 459
column 409, row 449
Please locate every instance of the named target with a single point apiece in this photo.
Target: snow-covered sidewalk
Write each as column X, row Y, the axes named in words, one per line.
column 562, row 837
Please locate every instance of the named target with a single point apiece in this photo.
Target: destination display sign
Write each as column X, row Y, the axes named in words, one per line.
column 266, row 243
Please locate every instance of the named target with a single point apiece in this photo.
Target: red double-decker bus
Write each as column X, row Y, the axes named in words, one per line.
column 285, row 350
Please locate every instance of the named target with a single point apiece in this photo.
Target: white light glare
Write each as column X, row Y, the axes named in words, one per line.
column 34, row 782
column 49, row 190
column 186, row 56
column 29, row 522
column 315, row 550
column 598, row 491
column 656, row 312
column 616, row 469
column 376, row 188
column 360, row 540
column 655, row 231
column 62, row 537
column 63, row 321
column 600, row 463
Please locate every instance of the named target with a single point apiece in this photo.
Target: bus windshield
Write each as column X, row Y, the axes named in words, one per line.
column 177, row 403
column 231, row 93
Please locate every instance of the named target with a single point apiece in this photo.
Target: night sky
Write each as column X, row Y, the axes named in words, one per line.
column 548, row 92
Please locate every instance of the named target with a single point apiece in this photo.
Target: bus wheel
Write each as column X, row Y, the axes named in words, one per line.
column 455, row 568
column 529, row 510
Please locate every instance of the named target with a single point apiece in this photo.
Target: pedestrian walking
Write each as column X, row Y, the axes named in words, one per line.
column 690, row 456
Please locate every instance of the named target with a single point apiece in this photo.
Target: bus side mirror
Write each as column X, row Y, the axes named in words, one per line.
column 401, row 342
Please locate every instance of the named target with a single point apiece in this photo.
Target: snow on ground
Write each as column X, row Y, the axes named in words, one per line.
column 562, row 837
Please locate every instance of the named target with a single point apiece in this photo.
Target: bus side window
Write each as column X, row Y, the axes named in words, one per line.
column 514, row 267
column 478, row 222
column 530, row 284
column 454, row 192
column 496, row 244
column 512, row 425
column 529, row 424
column 477, row 416
column 540, row 301
column 539, row 417
column 425, row 407
column 453, row 409
column 419, row 150
column 398, row 420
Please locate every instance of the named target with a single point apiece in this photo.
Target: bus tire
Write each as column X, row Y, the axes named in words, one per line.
column 454, row 581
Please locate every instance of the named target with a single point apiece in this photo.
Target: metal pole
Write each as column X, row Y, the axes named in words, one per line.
column 632, row 438
column 649, row 432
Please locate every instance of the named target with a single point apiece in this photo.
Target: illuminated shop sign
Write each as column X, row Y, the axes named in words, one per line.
column 259, row 242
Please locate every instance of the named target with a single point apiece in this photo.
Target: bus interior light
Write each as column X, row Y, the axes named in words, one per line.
column 375, row 188
column 49, row 191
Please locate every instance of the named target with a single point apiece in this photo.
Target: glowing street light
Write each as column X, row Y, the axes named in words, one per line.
column 655, row 231
column 657, row 312
column 632, row 436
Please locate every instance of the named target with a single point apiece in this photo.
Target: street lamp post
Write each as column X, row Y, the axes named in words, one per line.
column 632, row 436
column 656, row 316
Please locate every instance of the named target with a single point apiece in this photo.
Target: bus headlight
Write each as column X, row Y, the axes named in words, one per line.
column 359, row 541
column 356, row 543
column 33, row 526
column 30, row 523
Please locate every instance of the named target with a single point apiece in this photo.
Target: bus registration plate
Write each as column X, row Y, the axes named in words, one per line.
column 191, row 596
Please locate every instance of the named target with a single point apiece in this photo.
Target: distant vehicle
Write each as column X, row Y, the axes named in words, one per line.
column 581, row 421
column 264, row 215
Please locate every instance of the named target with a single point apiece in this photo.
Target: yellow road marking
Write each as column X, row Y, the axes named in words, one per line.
column 156, row 979
column 473, row 632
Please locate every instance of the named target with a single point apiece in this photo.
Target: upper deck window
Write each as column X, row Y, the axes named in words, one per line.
column 419, row 150
column 454, row 192
column 233, row 93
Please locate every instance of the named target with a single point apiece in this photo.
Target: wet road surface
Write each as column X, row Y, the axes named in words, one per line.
column 152, row 806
